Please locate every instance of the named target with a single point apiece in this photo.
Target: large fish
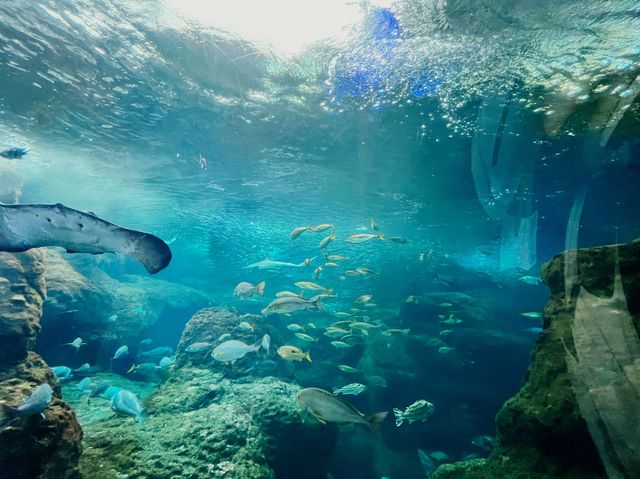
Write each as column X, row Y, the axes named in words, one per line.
column 326, row 407
column 23, row 227
column 127, row 403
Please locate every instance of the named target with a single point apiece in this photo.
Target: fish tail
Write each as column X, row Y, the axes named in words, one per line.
column 375, row 421
column 307, row 356
column 399, row 419
column 257, row 345
column 7, row 414
column 381, row 236
column 260, row 288
column 132, row 368
column 142, row 417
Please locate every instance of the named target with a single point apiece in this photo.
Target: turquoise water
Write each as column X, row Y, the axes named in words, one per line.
column 466, row 129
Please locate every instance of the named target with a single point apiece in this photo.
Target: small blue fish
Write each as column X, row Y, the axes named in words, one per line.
column 535, row 280
column 156, row 353
column 14, row 153
column 532, row 315
column 84, row 385
column 146, row 342
column 110, row 392
column 62, row 372
column 167, row 363
column 534, row 330
column 100, row 388
column 85, row 368
column 34, row 404
column 121, row 351
column 126, row 403
column 198, row 347
column 112, row 318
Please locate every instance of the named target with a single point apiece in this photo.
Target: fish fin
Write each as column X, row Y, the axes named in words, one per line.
column 131, row 369
column 257, row 345
column 43, row 416
column 319, row 419
column 375, row 420
column 381, row 236
column 260, row 288
column 399, row 419
column 307, row 356
column 142, row 417
column 150, row 251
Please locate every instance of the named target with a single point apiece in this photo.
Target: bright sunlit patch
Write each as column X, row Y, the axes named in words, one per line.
column 286, row 25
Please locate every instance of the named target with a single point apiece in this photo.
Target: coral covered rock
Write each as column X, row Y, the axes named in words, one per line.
column 203, row 425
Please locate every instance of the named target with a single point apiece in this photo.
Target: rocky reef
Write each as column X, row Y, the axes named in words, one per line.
column 46, row 448
column 541, row 432
column 203, row 424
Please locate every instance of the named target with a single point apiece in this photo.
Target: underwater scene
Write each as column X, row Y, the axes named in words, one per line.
column 373, row 239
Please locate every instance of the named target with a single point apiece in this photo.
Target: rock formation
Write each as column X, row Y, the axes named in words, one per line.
column 83, row 300
column 202, row 424
column 45, row 448
column 541, row 430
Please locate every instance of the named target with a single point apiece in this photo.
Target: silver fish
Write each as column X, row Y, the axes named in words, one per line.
column 246, row 290
column 420, row 410
column 326, row 407
column 350, row 389
column 267, row 264
column 291, row 304
column 233, row 350
column 198, row 347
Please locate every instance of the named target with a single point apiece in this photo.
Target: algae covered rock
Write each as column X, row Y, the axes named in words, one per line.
column 541, row 432
column 209, row 325
column 22, row 291
column 202, row 425
column 46, row 448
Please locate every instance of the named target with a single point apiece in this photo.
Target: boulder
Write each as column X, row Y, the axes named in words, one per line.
column 209, row 324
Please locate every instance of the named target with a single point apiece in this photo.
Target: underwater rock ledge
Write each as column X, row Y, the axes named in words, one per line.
column 541, row 433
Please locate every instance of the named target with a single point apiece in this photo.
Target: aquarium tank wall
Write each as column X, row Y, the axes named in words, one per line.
column 377, row 239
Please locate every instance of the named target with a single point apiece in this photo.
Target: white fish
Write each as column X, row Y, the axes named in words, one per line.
column 267, row 264
column 233, row 350
column 246, row 290
column 363, row 237
column 266, row 344
column 324, row 242
column 76, row 343
column 121, row 351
